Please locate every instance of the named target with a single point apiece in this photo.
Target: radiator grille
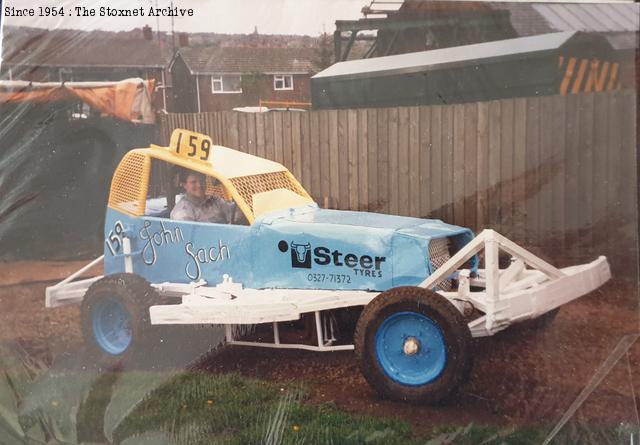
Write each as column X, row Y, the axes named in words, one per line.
column 439, row 254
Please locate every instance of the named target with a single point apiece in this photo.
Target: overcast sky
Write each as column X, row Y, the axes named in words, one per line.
column 223, row 16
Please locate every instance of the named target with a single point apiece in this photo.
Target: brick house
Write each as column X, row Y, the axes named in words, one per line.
column 223, row 78
column 40, row 55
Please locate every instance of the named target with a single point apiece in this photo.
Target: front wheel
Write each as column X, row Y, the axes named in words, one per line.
column 413, row 345
column 115, row 315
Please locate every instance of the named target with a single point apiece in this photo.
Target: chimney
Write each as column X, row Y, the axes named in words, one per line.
column 147, row 32
column 183, row 39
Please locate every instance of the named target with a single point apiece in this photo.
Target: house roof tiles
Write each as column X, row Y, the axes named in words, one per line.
column 238, row 60
column 39, row 47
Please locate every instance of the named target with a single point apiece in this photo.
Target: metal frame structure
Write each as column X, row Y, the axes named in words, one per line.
column 526, row 289
column 347, row 32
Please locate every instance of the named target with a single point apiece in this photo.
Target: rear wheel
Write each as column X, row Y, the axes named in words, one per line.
column 115, row 315
column 413, row 345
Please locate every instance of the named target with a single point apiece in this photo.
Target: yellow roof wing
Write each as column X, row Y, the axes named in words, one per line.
column 196, row 151
column 224, row 161
column 235, row 164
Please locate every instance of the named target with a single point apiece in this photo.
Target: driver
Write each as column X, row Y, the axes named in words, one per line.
column 195, row 206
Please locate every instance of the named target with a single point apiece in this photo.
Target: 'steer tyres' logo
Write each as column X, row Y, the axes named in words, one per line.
column 303, row 256
column 300, row 254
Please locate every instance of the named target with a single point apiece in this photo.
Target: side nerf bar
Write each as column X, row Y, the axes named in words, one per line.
column 68, row 291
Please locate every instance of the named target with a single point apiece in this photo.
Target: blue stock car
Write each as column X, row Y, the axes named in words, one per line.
column 407, row 280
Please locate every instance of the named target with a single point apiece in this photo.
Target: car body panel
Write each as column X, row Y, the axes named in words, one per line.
column 302, row 248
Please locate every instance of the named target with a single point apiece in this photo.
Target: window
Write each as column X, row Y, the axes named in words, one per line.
column 167, row 188
column 283, row 82
column 164, row 186
column 226, row 84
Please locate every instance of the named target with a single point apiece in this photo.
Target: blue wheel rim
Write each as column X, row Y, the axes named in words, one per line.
column 111, row 325
column 420, row 366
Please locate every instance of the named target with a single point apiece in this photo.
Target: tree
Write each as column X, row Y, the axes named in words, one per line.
column 323, row 56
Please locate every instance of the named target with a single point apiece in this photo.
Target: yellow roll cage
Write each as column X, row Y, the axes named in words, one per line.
column 257, row 185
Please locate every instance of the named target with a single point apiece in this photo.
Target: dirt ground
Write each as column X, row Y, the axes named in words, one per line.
column 522, row 376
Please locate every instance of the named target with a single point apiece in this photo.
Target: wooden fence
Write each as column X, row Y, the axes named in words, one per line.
column 555, row 173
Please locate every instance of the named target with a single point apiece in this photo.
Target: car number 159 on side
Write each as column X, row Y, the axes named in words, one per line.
column 189, row 145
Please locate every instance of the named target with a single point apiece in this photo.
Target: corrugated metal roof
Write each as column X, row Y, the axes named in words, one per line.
column 525, row 20
column 618, row 22
column 622, row 40
column 530, row 18
column 591, row 17
column 425, row 60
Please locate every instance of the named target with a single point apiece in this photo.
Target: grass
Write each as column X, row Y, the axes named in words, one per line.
column 230, row 409
column 140, row 407
column 233, row 410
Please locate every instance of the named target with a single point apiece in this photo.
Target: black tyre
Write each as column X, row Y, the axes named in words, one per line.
column 115, row 316
column 413, row 345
